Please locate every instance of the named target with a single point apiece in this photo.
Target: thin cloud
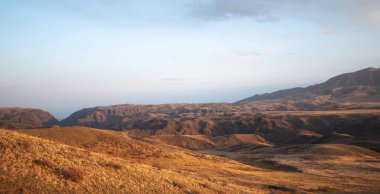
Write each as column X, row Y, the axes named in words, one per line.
column 229, row 9
column 338, row 12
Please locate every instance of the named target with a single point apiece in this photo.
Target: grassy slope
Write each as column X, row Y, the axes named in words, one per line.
column 187, row 163
column 203, row 141
column 329, row 167
column 103, row 141
column 328, row 173
column 19, row 172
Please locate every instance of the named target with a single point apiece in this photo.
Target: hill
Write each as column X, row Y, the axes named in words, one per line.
column 34, row 165
column 349, row 104
column 276, row 127
column 102, row 141
column 362, row 86
column 203, row 141
column 23, row 118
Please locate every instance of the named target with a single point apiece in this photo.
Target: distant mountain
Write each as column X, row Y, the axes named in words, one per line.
column 363, row 85
column 187, row 118
column 347, row 104
column 347, row 96
column 215, row 120
column 24, row 118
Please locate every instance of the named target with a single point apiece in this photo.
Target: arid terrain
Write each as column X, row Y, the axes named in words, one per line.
column 320, row 139
column 79, row 159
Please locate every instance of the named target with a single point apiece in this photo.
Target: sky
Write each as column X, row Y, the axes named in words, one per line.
column 65, row 55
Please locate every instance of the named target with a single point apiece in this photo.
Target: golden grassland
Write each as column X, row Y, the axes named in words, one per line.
column 330, row 168
column 110, row 162
column 203, row 141
column 34, row 165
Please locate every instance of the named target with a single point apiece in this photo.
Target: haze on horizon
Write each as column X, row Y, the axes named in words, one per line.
column 62, row 56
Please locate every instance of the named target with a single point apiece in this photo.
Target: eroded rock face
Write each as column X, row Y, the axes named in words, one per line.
column 23, row 118
column 223, row 119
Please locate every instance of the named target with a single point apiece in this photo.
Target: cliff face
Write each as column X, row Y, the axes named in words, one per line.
column 23, row 118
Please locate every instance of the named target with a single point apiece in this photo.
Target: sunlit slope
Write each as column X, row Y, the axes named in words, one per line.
column 103, row 141
column 34, row 165
column 158, row 155
column 338, row 168
column 202, row 141
column 267, row 168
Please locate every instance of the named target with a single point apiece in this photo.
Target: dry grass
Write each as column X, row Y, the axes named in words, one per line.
column 203, row 141
column 105, row 142
column 43, row 162
column 156, row 166
column 27, row 145
column 160, row 165
column 112, row 165
column 72, row 173
column 57, row 168
column 179, row 185
column 323, row 170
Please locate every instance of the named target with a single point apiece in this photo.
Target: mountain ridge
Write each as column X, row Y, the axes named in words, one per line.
column 367, row 79
column 356, row 90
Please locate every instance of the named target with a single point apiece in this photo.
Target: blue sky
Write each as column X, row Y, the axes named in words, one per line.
column 69, row 54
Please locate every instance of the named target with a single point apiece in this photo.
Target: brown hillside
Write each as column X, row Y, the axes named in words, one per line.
column 276, row 127
column 23, row 118
column 270, row 169
column 350, row 169
column 33, row 165
column 102, row 141
column 361, row 85
column 222, row 119
column 239, row 139
column 203, row 141
column 185, row 141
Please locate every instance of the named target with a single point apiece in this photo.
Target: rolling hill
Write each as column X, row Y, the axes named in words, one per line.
column 55, row 160
column 23, row 118
column 359, row 86
column 302, row 140
column 276, row 127
column 203, row 141
column 34, row 165
column 348, row 104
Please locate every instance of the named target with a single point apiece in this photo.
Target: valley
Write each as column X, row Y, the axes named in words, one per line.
column 319, row 139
